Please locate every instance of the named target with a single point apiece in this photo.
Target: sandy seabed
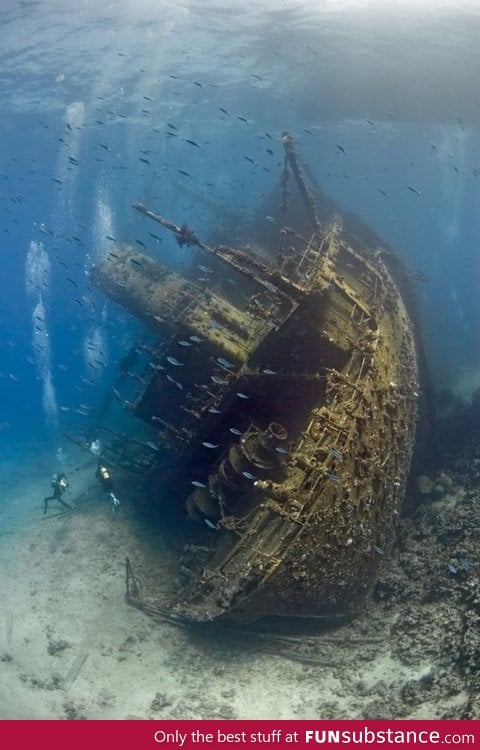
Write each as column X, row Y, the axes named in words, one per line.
column 71, row 647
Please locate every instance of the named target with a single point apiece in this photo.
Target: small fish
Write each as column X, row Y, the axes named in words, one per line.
column 174, row 362
column 172, row 380
column 280, row 449
column 153, row 446
column 215, row 379
column 196, row 483
column 145, row 161
column 196, row 339
column 224, row 111
column 112, row 239
column 378, row 549
column 465, row 565
column 234, row 431
column 64, row 408
column 242, row 395
column 242, row 119
column 209, row 445
column 247, row 475
column 192, row 143
column 154, row 366
column 136, row 262
column 341, row 148
column 452, row 568
column 179, row 386
column 333, row 477
column 269, row 372
column 71, row 281
column 197, row 83
column 205, row 269
column 185, row 174
column 184, row 343
column 270, row 219
column 212, row 410
column 210, row 523
column 224, row 362
column 172, row 127
column 249, row 158
column 336, row 454
column 271, row 287
column 413, row 189
column 155, row 236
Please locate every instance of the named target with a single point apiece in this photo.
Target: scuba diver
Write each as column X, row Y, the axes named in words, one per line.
column 103, row 476
column 60, row 485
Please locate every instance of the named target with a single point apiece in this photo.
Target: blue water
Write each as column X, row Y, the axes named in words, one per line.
column 89, row 89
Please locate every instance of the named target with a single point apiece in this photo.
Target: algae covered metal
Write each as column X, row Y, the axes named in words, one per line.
column 282, row 389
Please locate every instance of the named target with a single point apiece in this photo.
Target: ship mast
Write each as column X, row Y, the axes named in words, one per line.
column 237, row 259
column 292, row 157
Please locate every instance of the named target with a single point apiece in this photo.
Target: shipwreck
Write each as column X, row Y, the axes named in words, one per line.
column 280, row 385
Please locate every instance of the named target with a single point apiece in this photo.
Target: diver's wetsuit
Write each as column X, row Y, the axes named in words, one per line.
column 103, row 476
column 60, row 484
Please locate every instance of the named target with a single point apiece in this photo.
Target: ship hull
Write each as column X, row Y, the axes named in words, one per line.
column 284, row 401
column 316, row 542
